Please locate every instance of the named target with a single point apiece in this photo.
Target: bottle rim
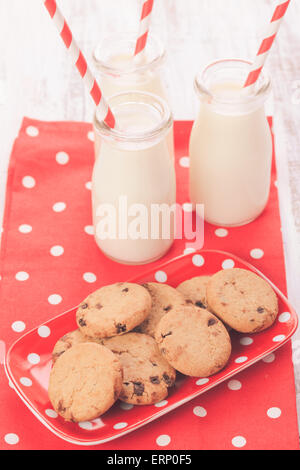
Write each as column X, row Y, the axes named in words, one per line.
column 261, row 88
column 129, row 41
column 139, row 98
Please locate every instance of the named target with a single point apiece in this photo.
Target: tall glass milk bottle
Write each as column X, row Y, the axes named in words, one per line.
column 133, row 180
column 119, row 71
column 230, row 145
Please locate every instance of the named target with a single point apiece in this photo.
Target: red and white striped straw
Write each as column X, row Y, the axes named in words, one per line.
column 266, row 44
column 104, row 113
column 144, row 26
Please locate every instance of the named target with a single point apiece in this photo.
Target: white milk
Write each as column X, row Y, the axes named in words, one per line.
column 120, row 71
column 231, row 155
column 147, row 80
column 142, row 172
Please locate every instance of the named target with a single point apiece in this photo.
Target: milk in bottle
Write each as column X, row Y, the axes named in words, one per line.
column 230, row 146
column 119, row 71
column 133, row 172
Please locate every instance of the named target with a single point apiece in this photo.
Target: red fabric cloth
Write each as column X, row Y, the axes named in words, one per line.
column 51, row 163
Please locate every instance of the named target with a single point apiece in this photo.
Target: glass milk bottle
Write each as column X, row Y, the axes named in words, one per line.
column 133, row 175
column 230, row 145
column 119, row 71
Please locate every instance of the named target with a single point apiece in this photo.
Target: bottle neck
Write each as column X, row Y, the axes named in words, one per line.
column 142, row 120
column 220, row 86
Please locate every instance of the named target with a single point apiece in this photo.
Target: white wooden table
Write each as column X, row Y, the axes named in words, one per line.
column 37, row 79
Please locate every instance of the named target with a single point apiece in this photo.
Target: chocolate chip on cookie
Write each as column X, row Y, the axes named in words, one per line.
column 68, row 341
column 147, row 375
column 164, row 300
column 194, row 290
column 113, row 310
column 242, row 299
column 85, row 382
column 199, row 344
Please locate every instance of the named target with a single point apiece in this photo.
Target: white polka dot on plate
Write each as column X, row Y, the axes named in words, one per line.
column 57, row 250
column 202, row 381
column 62, row 158
column 28, row 182
column 161, row 403
column 198, row 261
column 239, row 441
column 256, row 253
column 18, row 326
column 59, row 206
column 126, row 406
column 44, row 331
column 228, row 264
column 51, row 413
column 284, row 317
column 90, row 277
column 11, row 439
column 54, row 299
column 89, row 229
column 26, row 381
column 270, row 358
column 32, row 131
column 22, row 276
column 161, row 276
column 221, row 232
column 200, row 411
column 88, row 185
column 278, row 338
column 246, row 341
column 163, row 440
column 120, row 425
column 87, row 425
column 25, row 228
column 184, row 162
column 234, row 385
column 241, row 359
column 33, row 358
column 274, row 412
column 91, row 136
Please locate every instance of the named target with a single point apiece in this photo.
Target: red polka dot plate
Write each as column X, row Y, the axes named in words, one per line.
column 28, row 361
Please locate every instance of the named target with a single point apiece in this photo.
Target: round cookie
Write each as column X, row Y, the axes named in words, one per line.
column 193, row 341
column 147, row 375
column 113, row 310
column 85, row 382
column 164, row 299
column 194, row 290
column 242, row 299
column 68, row 341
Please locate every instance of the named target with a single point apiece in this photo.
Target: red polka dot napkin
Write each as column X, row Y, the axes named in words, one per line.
column 49, row 262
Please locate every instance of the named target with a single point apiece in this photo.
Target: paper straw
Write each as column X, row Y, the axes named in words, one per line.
column 144, row 26
column 104, row 113
column 266, row 44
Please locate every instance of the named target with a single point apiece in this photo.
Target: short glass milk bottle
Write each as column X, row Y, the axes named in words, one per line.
column 133, row 179
column 119, row 71
column 230, row 145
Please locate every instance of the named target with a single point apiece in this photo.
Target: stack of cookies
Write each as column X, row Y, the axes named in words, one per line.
column 131, row 339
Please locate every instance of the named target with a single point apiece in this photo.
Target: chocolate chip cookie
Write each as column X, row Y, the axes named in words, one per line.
column 68, row 341
column 164, row 300
column 193, row 341
column 85, row 382
column 147, row 375
column 242, row 299
column 194, row 290
column 113, row 310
